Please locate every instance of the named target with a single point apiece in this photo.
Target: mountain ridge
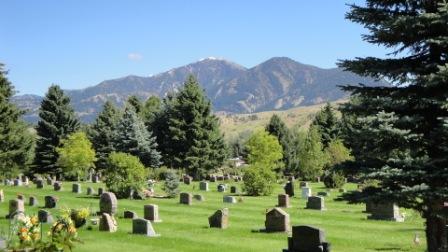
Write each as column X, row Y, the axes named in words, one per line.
column 278, row 83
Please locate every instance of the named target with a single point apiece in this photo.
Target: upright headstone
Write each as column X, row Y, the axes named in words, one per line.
column 2, row 196
column 304, row 184
column 198, row 197
column 316, row 203
column 212, row 178
column 277, row 220
column 16, row 206
column 233, row 189
column 57, row 186
column 185, row 198
column 144, row 227
column 39, row 184
column 229, row 199
column 108, row 223
column 221, row 188
column 21, row 197
column 17, row 182
column 76, row 188
column 90, row 191
column 307, row 238
column 130, row 214
column 203, row 186
column 385, row 211
column 323, row 194
column 289, row 188
column 100, row 191
column 50, row 201
column 283, row 200
column 44, row 216
column 220, row 219
column 187, row 179
column 306, row 192
column 25, row 180
column 95, row 179
column 33, row 201
column 49, row 181
column 151, row 213
column 108, row 203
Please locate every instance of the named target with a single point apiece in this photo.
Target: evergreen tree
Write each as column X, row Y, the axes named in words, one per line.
column 171, row 185
column 312, row 157
column 102, row 133
column 57, row 121
column 16, row 141
column 196, row 142
column 135, row 102
column 150, row 109
column 277, row 127
column 132, row 137
column 327, row 124
column 404, row 125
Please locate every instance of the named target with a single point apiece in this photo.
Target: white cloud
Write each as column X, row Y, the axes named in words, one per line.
column 135, row 56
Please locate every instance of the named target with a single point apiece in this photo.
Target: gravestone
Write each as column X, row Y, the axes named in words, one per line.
column 316, row 203
column 2, row 196
column 21, row 197
column 198, row 197
column 100, row 191
column 226, row 177
column 220, row 178
column 76, row 188
column 50, row 201
column 17, row 182
column 185, row 198
column 57, row 186
column 233, row 189
column 291, row 178
column 385, row 211
column 49, row 181
column 307, row 239
column 44, row 216
column 16, row 206
column 229, row 199
column 25, row 180
column 306, row 192
column 212, row 178
column 277, row 220
column 95, row 179
column 129, row 214
column 108, row 203
column 203, row 186
column 90, row 191
column 151, row 213
column 144, row 227
column 108, row 223
column 283, row 200
column 187, row 179
column 323, row 194
column 221, row 188
column 304, row 184
column 289, row 188
column 8, row 182
column 39, row 184
column 33, row 201
column 220, row 219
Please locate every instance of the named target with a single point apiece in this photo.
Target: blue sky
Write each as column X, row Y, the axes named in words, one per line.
column 80, row 43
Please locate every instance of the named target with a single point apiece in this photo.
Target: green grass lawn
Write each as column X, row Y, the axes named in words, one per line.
column 185, row 228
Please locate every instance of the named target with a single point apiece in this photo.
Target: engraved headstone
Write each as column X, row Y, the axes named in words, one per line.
column 90, row 191
column 151, row 213
column 33, row 201
column 50, row 201
column 100, row 191
column 16, row 206
column 283, row 200
column 306, row 192
column 57, row 186
column 233, row 189
column 277, row 220
column 185, row 198
column 144, row 227
column 44, row 216
column 221, row 188
column 76, row 188
column 289, row 188
column 316, row 203
column 108, row 223
column 220, row 219
column 129, row 214
column 307, row 238
column 385, row 211
column 203, row 186
column 229, row 199
column 39, row 184
column 17, row 182
column 108, row 203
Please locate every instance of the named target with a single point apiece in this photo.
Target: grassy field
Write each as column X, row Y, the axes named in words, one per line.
column 185, row 228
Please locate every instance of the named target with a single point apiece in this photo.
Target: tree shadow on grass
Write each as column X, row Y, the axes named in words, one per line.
column 88, row 197
column 391, row 249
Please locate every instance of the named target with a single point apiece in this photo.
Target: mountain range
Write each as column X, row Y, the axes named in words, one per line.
column 277, row 84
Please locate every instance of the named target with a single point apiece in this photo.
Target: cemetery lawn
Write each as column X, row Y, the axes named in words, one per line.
column 185, row 228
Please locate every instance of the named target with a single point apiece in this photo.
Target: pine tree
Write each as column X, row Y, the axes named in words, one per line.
column 57, row 121
column 150, row 109
column 132, row 137
column 327, row 124
column 135, row 102
column 403, row 125
column 16, row 141
column 196, row 141
column 171, row 185
column 102, row 132
column 277, row 127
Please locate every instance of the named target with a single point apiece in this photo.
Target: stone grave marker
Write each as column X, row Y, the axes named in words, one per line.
column 108, row 203
column 234, row 189
column 212, row 178
column 229, row 199
column 304, row 184
column 44, row 216
column 50, row 201
column 17, row 182
column 49, row 181
column 21, row 197
column 307, row 238
column 25, row 180
column 283, row 200
column 95, row 179
column 185, row 198
column 2, row 195
column 277, row 220
column 198, row 197
column 221, row 188
column 39, row 184
column 187, row 179
column 90, row 191
column 108, row 223
column 76, row 188
column 220, row 219
column 151, row 213
column 57, row 186
column 33, row 201
column 129, row 214
column 306, row 192
column 289, row 188
column 100, row 191
column 385, row 211
column 323, row 194
column 144, row 227
column 203, row 186
column 16, row 206
column 316, row 203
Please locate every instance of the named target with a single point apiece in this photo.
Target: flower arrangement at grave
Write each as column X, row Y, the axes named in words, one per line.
column 28, row 232
column 62, row 236
column 78, row 216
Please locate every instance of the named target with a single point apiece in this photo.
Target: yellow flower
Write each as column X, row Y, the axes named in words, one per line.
column 23, row 230
column 35, row 236
column 34, row 220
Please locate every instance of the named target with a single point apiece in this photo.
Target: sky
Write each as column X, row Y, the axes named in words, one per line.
column 77, row 44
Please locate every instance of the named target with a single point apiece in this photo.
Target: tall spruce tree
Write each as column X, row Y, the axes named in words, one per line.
column 404, row 124
column 57, row 120
column 102, row 133
column 132, row 137
column 136, row 103
column 196, row 141
column 16, row 141
column 327, row 124
column 277, row 128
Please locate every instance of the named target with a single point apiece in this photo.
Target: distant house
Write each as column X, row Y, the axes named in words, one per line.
column 237, row 161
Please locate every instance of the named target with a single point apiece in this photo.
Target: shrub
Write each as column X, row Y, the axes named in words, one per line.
column 334, row 179
column 258, row 180
column 125, row 174
column 159, row 173
column 171, row 185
